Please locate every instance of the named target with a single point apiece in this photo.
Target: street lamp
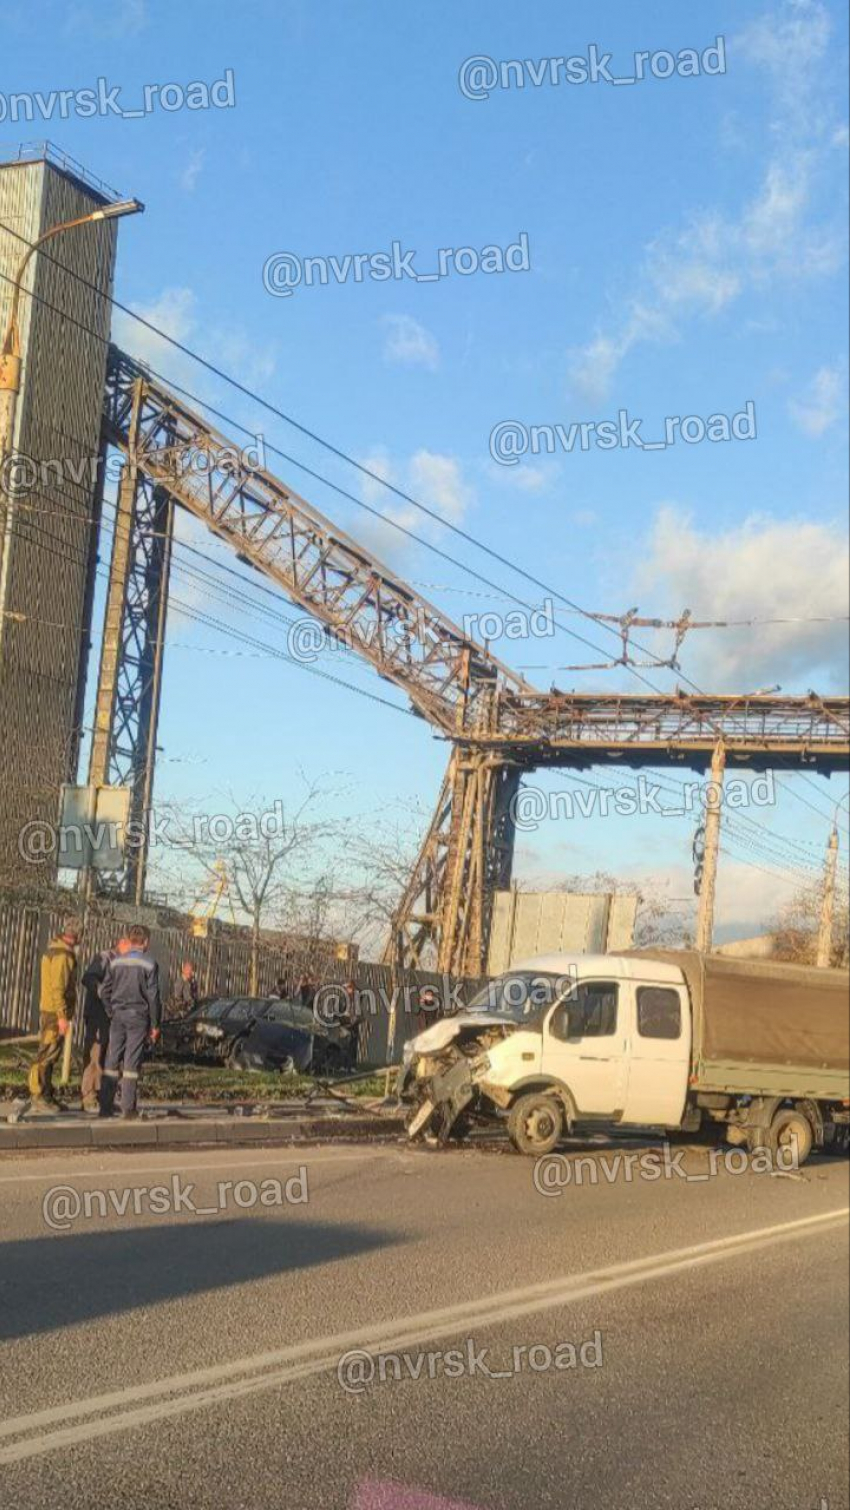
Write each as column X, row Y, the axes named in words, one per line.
column 10, row 352
column 10, row 356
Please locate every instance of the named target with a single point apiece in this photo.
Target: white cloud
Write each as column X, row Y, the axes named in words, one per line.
column 762, row 569
column 175, row 312
column 438, row 481
column 790, row 44
column 523, row 478
column 750, row 898
column 592, row 367
column 824, row 402
column 409, row 344
column 700, row 269
column 190, row 174
column 378, row 461
column 240, row 355
column 428, row 477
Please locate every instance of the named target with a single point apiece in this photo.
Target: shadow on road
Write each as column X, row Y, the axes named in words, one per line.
column 62, row 1280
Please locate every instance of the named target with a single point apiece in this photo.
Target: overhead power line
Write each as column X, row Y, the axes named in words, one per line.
column 359, row 466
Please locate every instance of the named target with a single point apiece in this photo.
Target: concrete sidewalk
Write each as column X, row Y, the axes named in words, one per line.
column 163, row 1126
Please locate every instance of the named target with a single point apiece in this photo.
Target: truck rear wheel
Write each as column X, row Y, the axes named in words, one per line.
column 535, row 1124
column 790, row 1137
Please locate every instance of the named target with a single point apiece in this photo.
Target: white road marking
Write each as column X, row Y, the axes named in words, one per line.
column 300, row 1155
column 245, row 1376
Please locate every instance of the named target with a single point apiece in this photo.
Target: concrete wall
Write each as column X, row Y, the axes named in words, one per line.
column 48, row 541
column 526, row 924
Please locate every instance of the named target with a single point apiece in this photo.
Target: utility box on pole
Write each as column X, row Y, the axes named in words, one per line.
column 50, row 500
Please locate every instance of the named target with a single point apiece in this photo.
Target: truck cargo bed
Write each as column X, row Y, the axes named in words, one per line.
column 775, row 1028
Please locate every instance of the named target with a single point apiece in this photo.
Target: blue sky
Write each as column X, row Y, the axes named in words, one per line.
column 687, row 256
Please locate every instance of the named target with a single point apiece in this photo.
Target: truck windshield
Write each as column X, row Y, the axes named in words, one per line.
column 520, row 994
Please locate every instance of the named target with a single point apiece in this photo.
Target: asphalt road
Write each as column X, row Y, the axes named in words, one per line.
column 630, row 1342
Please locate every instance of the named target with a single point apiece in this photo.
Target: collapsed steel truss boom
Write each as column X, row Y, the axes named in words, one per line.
column 498, row 724
column 360, row 601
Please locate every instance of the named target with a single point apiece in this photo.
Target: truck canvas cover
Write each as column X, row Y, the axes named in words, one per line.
column 755, row 1012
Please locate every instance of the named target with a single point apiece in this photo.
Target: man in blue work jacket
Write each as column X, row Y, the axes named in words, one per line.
column 130, row 993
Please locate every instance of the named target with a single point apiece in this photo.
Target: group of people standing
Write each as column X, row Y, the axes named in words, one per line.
column 122, row 1012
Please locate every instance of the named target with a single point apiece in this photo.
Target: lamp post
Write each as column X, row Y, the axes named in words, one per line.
column 10, row 355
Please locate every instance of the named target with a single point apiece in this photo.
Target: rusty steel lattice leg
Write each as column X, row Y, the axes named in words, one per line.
column 130, row 679
column 466, row 856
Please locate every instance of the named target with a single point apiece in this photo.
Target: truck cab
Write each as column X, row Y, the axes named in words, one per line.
column 561, row 1041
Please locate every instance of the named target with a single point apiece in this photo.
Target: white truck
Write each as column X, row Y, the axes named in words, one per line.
column 645, row 1039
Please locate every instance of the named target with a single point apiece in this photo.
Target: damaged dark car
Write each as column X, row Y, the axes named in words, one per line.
column 259, row 1033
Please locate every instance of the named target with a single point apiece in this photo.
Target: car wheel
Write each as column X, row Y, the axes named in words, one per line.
column 790, row 1138
column 535, row 1124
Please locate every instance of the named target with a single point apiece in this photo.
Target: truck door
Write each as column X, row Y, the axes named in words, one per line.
column 659, row 1056
column 584, row 1047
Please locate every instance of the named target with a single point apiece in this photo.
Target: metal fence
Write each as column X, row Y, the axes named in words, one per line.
column 223, row 966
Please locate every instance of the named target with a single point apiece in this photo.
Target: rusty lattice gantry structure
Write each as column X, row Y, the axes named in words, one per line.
column 498, row 725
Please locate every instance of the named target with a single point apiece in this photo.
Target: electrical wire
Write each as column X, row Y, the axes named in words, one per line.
column 242, row 596
column 210, row 622
column 352, row 461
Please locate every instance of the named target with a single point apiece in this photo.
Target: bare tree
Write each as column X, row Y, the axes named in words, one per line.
column 795, row 930
column 252, row 855
column 380, row 864
column 308, row 908
column 659, row 923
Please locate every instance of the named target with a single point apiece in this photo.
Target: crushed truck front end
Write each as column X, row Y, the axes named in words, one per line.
column 448, row 1083
column 465, row 1069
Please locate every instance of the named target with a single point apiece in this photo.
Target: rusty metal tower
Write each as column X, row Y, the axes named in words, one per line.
column 498, row 725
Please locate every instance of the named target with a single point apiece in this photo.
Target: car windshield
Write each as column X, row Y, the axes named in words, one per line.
column 240, row 1011
column 217, row 1009
column 520, row 994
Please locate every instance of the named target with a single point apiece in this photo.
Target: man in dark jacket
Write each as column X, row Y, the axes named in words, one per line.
column 351, row 1018
column 305, row 991
column 187, row 991
column 429, row 1009
column 130, row 993
column 95, row 1030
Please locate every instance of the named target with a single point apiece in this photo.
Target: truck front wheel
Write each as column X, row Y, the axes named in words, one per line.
column 535, row 1124
column 790, row 1137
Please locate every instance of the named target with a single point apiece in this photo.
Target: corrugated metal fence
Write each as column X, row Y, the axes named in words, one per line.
column 223, row 966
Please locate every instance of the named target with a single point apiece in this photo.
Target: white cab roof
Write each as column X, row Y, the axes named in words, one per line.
column 607, row 966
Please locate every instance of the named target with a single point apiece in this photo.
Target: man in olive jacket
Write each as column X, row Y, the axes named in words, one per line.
column 57, row 1003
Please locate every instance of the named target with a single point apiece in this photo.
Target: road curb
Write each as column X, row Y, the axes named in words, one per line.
column 175, row 1133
